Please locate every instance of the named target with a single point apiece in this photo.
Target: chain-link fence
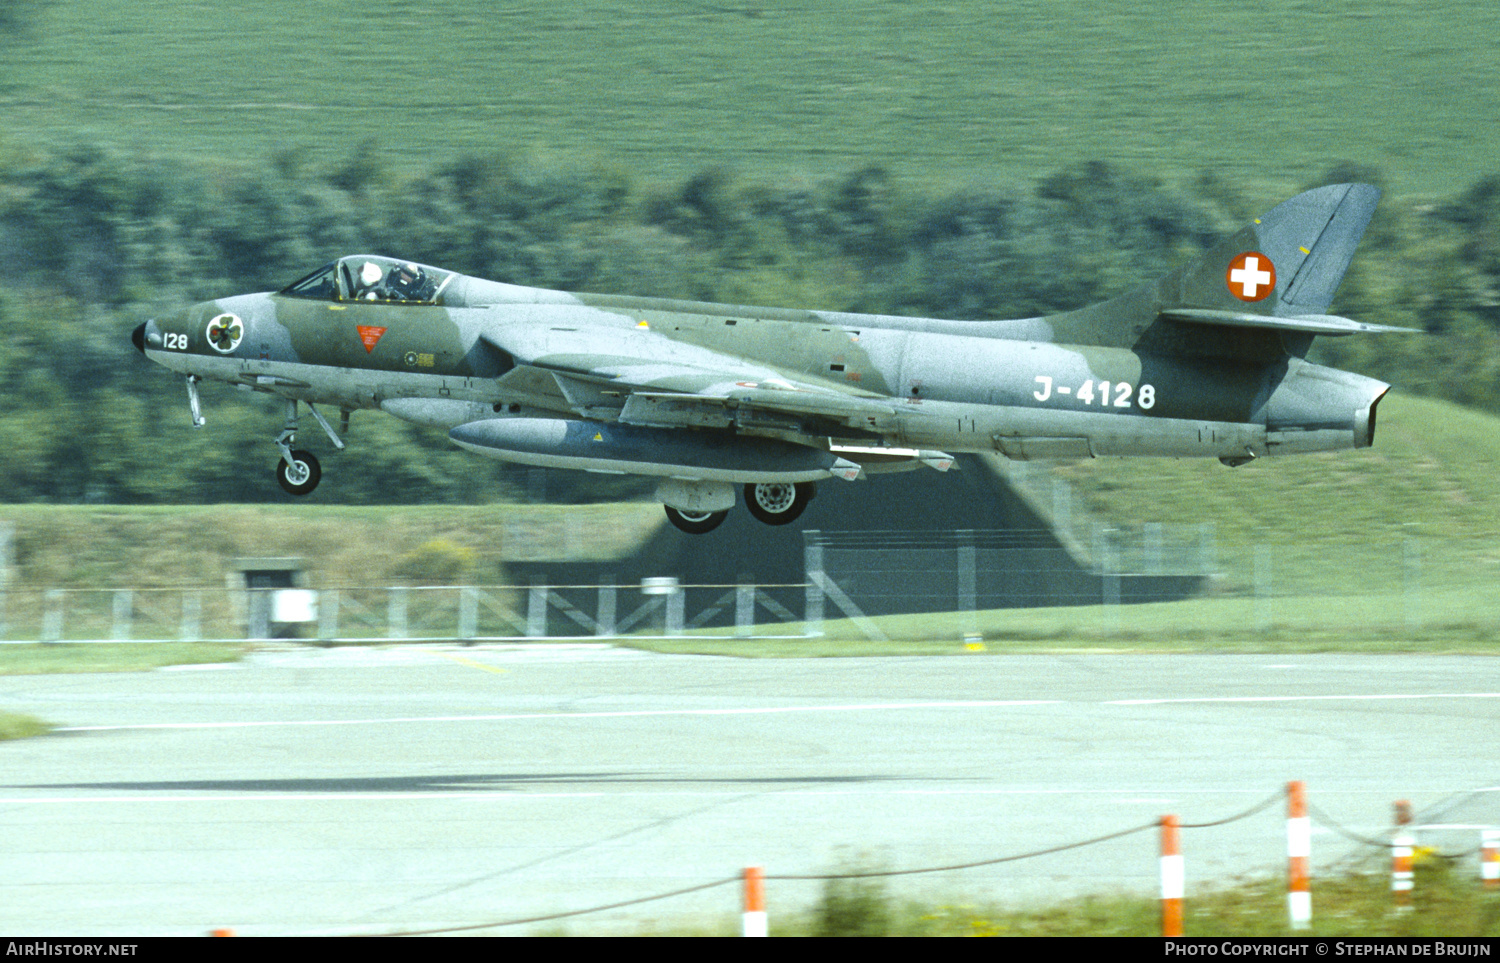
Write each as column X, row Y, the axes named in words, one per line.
column 1153, row 579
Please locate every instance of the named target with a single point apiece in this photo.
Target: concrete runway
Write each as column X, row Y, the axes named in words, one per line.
column 311, row 791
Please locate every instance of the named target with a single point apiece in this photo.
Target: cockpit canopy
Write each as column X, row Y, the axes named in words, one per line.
column 368, row 277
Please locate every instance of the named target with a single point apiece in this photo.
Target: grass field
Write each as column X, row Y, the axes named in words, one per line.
column 1271, row 92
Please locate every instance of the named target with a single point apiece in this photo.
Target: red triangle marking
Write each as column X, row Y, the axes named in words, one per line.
column 370, row 336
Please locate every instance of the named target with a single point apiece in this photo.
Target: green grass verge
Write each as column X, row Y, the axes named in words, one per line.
column 1443, row 904
column 965, row 88
column 15, row 725
column 1471, row 625
column 98, row 657
column 112, row 657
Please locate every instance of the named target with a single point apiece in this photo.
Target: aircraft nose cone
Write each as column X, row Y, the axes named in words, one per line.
column 138, row 338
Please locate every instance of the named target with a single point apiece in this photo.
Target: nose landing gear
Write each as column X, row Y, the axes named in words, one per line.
column 298, row 472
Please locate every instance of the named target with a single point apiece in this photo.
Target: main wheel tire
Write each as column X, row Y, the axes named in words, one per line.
column 302, row 475
column 695, row 523
column 777, row 503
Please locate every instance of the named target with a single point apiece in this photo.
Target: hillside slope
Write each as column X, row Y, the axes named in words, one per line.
column 1431, row 474
column 966, row 88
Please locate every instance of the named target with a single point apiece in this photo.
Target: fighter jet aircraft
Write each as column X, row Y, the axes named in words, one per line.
column 1209, row 360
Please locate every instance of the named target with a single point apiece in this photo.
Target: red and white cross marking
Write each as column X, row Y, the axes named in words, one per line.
column 1251, row 276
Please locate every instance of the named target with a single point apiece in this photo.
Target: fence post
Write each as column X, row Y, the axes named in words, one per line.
column 1109, row 574
column 812, row 564
column 468, row 613
column 1151, row 534
column 754, row 923
column 1298, row 857
column 968, row 582
column 536, row 611
column 190, row 628
column 744, row 609
column 328, row 615
column 52, row 620
column 395, row 613
column 604, row 617
column 1062, row 503
column 123, row 612
column 676, row 603
column 1172, row 877
column 1263, row 589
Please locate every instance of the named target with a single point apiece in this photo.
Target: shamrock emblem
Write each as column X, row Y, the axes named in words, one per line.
column 225, row 332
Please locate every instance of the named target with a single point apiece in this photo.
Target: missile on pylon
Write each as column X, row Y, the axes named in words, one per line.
column 611, row 447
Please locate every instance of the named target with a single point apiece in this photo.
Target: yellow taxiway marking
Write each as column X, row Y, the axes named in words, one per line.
column 471, row 663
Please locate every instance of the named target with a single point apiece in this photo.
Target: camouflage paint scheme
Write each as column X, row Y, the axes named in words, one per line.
column 1207, row 361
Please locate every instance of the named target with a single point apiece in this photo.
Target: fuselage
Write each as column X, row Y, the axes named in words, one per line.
column 491, row 351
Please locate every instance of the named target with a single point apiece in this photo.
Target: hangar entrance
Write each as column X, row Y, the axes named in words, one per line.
column 1018, row 545
column 271, row 598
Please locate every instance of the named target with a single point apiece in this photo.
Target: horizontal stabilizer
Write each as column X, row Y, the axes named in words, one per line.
column 1324, row 324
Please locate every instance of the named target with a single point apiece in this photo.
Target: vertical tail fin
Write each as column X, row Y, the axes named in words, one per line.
column 1286, row 264
column 1289, row 262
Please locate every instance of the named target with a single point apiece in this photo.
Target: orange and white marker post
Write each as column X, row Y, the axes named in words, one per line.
column 1402, row 846
column 1171, row 877
column 754, row 923
column 1298, row 857
column 1489, row 858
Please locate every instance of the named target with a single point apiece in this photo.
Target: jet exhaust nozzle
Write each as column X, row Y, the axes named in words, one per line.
column 1322, row 409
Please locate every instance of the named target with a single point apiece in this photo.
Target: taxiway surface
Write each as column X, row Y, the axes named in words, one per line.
column 403, row 788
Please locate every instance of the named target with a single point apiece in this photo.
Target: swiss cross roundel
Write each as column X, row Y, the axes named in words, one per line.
column 1251, row 276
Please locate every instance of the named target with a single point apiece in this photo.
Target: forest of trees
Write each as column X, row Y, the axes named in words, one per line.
column 92, row 242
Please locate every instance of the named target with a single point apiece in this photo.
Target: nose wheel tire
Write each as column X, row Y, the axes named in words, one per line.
column 302, row 475
column 695, row 523
column 777, row 503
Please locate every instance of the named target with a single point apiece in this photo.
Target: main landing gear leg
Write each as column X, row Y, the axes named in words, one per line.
column 298, row 472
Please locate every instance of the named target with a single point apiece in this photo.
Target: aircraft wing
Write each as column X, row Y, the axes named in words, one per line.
column 639, row 377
